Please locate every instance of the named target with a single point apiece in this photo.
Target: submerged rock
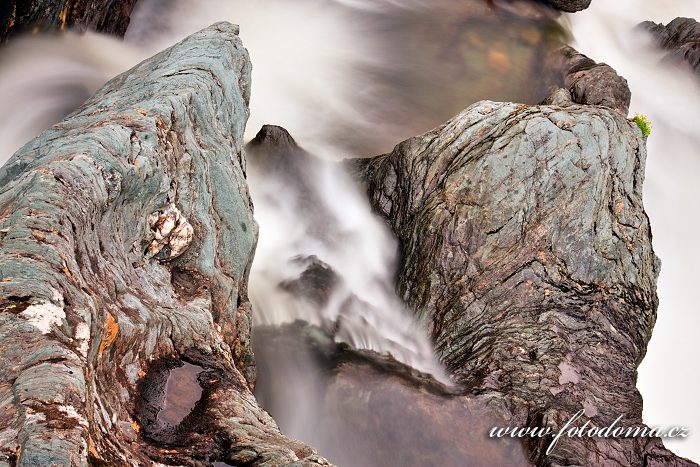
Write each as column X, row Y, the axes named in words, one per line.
column 681, row 37
column 361, row 408
column 126, row 237
column 527, row 251
column 108, row 16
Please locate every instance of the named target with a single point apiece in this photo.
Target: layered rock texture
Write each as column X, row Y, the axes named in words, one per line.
column 126, row 236
column 527, row 252
column 681, row 37
column 108, row 16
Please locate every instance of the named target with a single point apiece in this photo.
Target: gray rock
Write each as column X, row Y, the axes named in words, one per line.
column 681, row 37
column 108, row 16
column 126, row 237
column 527, row 251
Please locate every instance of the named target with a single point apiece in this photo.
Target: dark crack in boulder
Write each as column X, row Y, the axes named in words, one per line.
column 126, row 237
column 527, row 251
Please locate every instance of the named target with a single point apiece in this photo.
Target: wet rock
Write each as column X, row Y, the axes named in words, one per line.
column 87, row 316
column 589, row 82
column 527, row 249
column 681, row 37
column 364, row 408
column 108, row 16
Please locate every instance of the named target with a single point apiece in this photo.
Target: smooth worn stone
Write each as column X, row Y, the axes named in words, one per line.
column 126, row 237
column 527, row 252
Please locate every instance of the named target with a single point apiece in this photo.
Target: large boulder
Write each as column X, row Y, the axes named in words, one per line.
column 126, row 237
column 527, row 251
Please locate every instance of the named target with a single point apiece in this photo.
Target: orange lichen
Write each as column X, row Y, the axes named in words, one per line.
column 62, row 17
column 111, row 331
column 135, row 426
column 619, row 208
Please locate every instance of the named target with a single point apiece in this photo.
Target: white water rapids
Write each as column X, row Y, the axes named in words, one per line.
column 307, row 56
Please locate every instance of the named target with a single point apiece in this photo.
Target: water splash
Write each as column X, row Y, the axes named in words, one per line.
column 670, row 96
column 324, row 257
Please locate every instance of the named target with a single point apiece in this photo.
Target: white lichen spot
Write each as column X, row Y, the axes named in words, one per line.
column 589, row 409
column 568, row 373
column 169, row 228
column 70, row 412
column 43, row 315
column 32, row 416
column 82, row 334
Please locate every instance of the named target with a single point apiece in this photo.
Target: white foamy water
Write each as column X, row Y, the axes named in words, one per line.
column 42, row 79
column 670, row 96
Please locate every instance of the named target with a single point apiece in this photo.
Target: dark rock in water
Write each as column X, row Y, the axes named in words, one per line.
column 108, row 16
column 681, row 37
column 126, row 236
column 526, row 247
column 366, row 409
column 569, row 6
column 592, row 83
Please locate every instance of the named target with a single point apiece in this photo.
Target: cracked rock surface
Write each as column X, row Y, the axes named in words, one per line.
column 90, row 324
column 527, row 251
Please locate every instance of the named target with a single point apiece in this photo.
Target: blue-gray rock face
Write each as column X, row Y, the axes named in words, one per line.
column 527, row 251
column 126, row 235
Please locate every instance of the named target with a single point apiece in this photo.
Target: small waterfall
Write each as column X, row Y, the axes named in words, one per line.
column 670, row 96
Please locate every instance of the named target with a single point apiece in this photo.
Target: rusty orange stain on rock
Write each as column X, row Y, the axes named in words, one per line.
column 135, row 426
column 619, row 207
column 542, row 257
column 62, row 16
column 111, row 332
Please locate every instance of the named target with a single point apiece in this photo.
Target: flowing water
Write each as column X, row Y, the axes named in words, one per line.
column 354, row 77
